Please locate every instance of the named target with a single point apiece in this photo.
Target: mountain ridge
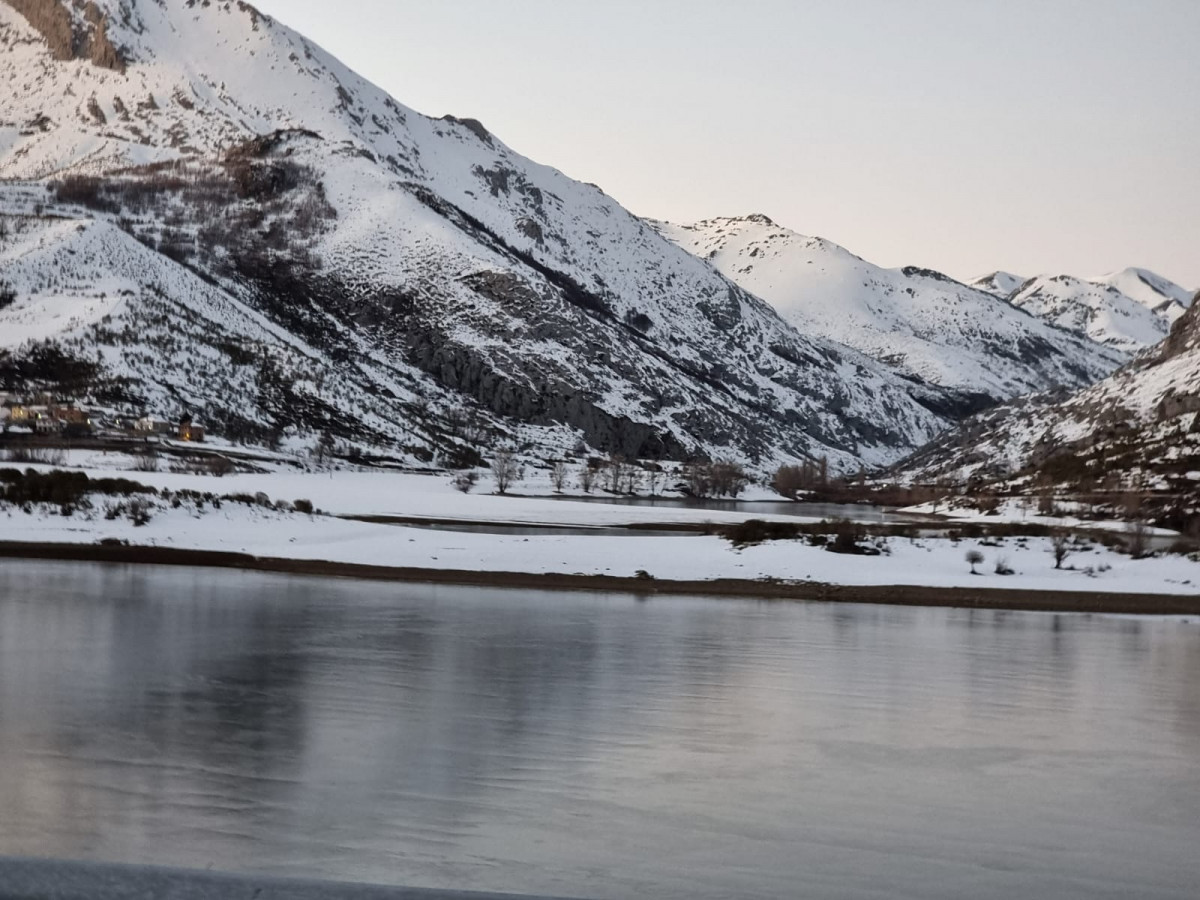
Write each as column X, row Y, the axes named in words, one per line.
column 401, row 272
column 921, row 321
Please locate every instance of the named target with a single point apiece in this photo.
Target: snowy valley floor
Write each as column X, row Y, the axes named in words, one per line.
column 930, row 571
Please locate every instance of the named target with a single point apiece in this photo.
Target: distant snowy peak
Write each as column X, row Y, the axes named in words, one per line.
column 1001, row 284
column 1153, row 291
column 921, row 322
column 1105, row 308
column 1100, row 310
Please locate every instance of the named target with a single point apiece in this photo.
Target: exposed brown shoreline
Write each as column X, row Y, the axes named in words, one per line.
column 896, row 595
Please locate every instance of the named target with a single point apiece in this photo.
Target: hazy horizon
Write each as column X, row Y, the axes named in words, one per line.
column 1052, row 137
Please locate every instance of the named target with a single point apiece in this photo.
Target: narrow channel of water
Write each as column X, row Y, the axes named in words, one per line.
column 862, row 512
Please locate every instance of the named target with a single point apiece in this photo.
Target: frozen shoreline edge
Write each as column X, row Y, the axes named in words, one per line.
column 1029, row 600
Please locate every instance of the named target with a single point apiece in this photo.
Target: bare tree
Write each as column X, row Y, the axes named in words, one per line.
column 1060, row 547
column 975, row 558
column 614, row 473
column 558, row 476
column 323, row 451
column 587, row 477
column 505, row 470
column 655, row 479
column 789, row 481
column 728, row 478
column 1137, row 539
column 633, row 480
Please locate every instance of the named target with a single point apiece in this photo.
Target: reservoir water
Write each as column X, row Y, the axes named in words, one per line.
column 593, row 745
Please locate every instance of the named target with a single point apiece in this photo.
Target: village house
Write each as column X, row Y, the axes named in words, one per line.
column 148, row 425
column 44, row 422
column 191, row 431
column 48, row 417
column 20, row 414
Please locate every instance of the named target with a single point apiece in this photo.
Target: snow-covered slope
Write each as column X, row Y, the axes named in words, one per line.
column 373, row 270
column 922, row 322
column 1001, row 284
column 1127, row 310
column 1101, row 311
column 1154, row 292
column 1138, row 430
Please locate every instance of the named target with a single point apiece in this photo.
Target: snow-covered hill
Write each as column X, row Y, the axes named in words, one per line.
column 1127, row 310
column 919, row 321
column 1153, row 291
column 232, row 222
column 999, row 283
column 1138, row 430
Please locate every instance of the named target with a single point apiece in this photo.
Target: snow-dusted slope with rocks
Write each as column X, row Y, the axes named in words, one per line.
column 1127, row 310
column 922, row 322
column 1138, row 430
column 230, row 221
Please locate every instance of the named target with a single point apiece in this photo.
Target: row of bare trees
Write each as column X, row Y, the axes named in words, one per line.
column 617, row 475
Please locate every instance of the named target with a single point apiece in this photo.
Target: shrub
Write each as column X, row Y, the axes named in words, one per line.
column 146, row 462
column 139, row 512
column 848, row 537
column 46, row 456
column 303, row 506
column 974, row 558
column 464, row 481
column 755, row 531
column 220, row 466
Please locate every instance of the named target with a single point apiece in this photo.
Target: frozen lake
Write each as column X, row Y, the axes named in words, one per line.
column 593, row 745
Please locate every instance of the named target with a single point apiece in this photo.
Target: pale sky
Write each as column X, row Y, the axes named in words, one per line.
column 963, row 135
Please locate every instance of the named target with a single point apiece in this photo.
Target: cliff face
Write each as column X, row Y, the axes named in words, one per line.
column 76, row 31
column 1185, row 333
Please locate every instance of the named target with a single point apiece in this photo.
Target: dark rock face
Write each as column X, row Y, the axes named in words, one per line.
column 1185, row 333
column 69, row 39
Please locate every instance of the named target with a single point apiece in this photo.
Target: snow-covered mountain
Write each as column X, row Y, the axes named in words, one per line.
column 999, row 283
column 210, row 213
column 1138, row 429
column 1153, row 291
column 919, row 321
column 1127, row 310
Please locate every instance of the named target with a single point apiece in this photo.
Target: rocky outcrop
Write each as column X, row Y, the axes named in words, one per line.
column 69, row 36
column 1185, row 333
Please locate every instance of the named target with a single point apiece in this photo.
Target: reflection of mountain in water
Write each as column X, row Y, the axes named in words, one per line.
column 585, row 744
